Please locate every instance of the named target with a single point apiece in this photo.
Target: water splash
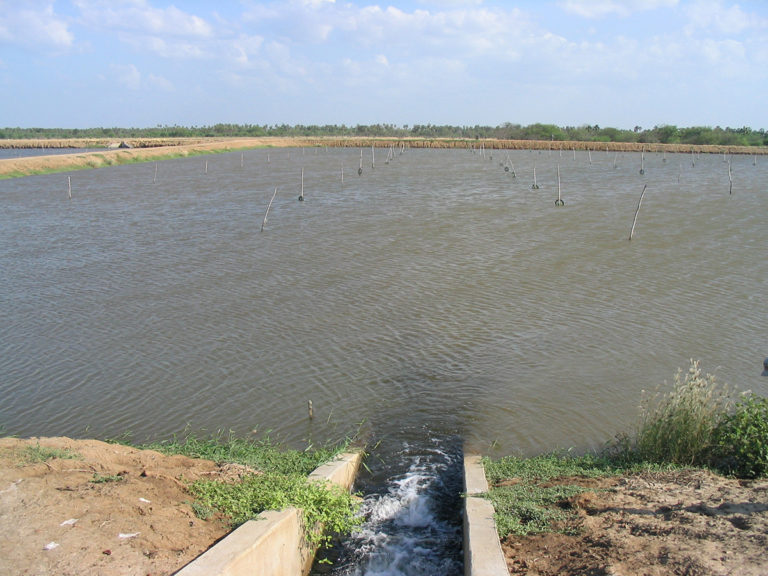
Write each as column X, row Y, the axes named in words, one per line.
column 412, row 515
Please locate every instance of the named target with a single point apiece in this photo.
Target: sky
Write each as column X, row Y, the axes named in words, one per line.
column 611, row 63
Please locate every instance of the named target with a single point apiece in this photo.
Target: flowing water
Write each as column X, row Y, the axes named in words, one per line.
column 433, row 301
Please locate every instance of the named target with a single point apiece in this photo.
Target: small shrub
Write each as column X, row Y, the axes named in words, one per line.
column 741, row 440
column 679, row 427
column 105, row 478
column 202, row 511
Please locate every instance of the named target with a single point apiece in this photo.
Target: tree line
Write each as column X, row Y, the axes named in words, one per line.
column 663, row 134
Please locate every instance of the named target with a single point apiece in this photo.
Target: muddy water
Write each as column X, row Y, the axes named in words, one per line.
column 434, row 290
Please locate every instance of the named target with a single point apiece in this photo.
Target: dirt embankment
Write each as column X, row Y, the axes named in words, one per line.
column 146, row 150
column 104, row 509
column 690, row 523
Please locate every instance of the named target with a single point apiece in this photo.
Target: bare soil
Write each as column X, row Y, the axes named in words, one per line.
column 113, row 510
column 690, row 523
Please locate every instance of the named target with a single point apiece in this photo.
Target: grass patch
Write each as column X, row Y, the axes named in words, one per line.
column 537, row 500
column 263, row 454
column 37, row 453
column 106, row 478
column 281, row 482
column 320, row 503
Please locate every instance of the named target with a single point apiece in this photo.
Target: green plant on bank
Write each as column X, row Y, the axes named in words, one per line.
column 281, row 482
column 320, row 503
column 678, row 426
column 740, row 440
column 105, row 478
column 535, row 501
column 37, row 453
column 262, row 454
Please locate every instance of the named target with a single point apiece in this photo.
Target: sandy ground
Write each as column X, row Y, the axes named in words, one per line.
column 54, row 519
column 690, row 523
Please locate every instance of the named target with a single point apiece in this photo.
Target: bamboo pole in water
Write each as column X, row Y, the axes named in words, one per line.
column 637, row 211
column 534, row 186
column 559, row 201
column 301, row 196
column 154, row 178
column 267, row 212
column 730, row 178
column 69, row 186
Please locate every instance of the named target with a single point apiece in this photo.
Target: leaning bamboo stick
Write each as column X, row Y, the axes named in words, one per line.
column 637, row 211
column 267, row 212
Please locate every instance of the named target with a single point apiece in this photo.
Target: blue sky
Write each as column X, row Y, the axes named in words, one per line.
column 618, row 63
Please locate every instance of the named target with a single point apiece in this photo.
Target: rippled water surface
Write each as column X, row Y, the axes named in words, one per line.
column 434, row 290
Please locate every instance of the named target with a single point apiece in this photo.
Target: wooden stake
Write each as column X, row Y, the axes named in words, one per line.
column 301, row 196
column 69, row 186
column 154, row 179
column 267, row 212
column 534, row 186
column 730, row 178
column 559, row 201
column 311, row 409
column 637, row 211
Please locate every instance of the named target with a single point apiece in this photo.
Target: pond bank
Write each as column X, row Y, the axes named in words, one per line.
column 153, row 149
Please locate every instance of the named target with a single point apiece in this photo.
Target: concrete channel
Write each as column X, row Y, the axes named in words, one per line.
column 274, row 545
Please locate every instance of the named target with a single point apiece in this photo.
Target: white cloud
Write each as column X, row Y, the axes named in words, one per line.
column 139, row 15
column 713, row 16
column 160, row 83
column 36, row 24
column 602, row 8
column 127, row 75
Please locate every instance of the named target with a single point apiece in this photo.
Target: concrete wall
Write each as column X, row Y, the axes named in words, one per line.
column 273, row 544
column 482, row 548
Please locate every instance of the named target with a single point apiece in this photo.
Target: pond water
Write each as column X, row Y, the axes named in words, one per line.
column 436, row 290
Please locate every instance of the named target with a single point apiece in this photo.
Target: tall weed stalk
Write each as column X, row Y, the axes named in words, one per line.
column 678, row 426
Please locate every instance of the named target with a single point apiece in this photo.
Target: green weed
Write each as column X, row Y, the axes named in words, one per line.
column 678, row 426
column 103, row 479
column 37, row 453
column 740, row 440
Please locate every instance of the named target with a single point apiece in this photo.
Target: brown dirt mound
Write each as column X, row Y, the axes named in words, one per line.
column 691, row 523
column 113, row 510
